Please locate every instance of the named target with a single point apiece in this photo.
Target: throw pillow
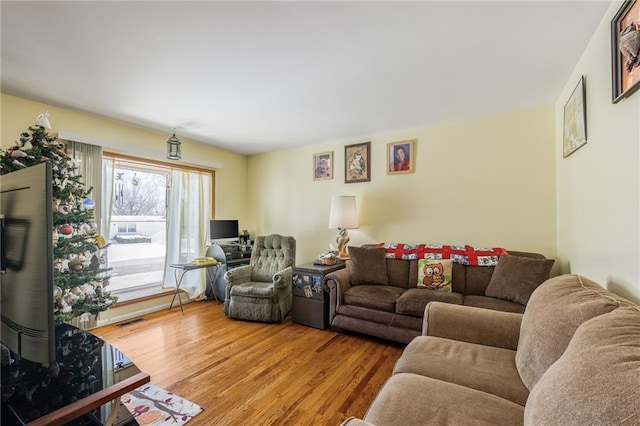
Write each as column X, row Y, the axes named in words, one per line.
column 367, row 265
column 435, row 274
column 516, row 277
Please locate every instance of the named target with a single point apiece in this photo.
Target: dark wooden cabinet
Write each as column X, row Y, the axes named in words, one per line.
column 310, row 301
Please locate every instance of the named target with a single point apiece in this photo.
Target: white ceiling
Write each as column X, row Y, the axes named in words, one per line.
column 253, row 77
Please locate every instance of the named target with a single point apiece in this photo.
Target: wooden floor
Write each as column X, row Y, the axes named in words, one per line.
column 245, row 373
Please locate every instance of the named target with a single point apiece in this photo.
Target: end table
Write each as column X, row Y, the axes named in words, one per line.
column 310, row 301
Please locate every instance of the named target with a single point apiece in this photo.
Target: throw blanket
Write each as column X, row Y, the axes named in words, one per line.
column 464, row 255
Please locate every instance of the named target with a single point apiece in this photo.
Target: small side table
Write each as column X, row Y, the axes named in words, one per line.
column 310, row 302
column 186, row 267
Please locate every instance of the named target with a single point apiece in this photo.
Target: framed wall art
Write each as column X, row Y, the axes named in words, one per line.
column 401, row 157
column 574, row 131
column 357, row 163
column 323, row 166
column 625, row 50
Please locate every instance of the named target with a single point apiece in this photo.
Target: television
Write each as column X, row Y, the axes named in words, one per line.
column 26, row 289
column 223, row 229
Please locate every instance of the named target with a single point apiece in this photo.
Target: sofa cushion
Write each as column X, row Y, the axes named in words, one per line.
column 554, row 312
column 458, row 278
column 493, row 303
column 413, row 301
column 485, row 368
column 516, row 277
column 597, row 379
column 398, row 272
column 410, row 399
column 435, row 274
column 380, row 297
column 477, row 279
column 401, row 331
column 367, row 265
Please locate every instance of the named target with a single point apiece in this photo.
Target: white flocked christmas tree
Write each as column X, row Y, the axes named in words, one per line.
column 79, row 252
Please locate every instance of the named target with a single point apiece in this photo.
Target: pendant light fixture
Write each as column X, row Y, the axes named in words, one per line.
column 173, row 147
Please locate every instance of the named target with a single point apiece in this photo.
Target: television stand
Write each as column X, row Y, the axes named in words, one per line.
column 235, row 255
column 234, row 263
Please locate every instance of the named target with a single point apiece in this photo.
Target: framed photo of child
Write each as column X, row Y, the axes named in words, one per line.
column 323, row 166
column 401, row 157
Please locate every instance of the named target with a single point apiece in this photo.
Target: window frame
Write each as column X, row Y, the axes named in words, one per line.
column 142, row 162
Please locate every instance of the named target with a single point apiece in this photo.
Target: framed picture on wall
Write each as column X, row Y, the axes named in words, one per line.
column 401, row 157
column 323, row 166
column 625, row 50
column 357, row 163
column 574, row 132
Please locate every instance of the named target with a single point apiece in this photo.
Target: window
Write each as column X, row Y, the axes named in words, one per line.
column 138, row 211
column 129, row 227
column 138, row 222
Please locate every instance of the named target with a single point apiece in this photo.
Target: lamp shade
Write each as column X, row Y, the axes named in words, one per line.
column 343, row 212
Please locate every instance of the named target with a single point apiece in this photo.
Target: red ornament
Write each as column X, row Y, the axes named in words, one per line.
column 66, row 229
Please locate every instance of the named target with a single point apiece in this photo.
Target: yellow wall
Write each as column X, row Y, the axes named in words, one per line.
column 598, row 186
column 487, row 181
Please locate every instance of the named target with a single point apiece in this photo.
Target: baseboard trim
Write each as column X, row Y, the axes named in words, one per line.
column 139, row 313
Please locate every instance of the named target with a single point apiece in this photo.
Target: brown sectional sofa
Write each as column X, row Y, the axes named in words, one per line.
column 394, row 310
column 572, row 358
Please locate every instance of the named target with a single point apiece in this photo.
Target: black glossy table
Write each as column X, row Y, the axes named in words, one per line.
column 82, row 387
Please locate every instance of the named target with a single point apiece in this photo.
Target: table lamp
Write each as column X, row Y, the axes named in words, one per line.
column 343, row 215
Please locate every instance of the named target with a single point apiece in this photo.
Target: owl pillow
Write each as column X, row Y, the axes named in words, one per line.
column 435, row 274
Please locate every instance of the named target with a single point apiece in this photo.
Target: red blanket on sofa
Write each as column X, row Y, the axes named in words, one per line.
column 465, row 255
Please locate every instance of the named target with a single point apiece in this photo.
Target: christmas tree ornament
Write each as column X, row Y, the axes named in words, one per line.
column 70, row 299
column 66, row 229
column 85, row 318
column 43, row 121
column 54, row 236
column 86, row 229
column 76, row 265
column 94, row 264
column 100, row 241
column 88, row 203
column 64, row 208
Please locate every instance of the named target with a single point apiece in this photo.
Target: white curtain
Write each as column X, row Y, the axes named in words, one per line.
column 187, row 219
column 90, row 167
column 108, row 164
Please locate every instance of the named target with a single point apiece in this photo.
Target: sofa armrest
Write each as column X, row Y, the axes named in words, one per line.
column 352, row 421
column 282, row 279
column 336, row 283
column 471, row 324
column 239, row 275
